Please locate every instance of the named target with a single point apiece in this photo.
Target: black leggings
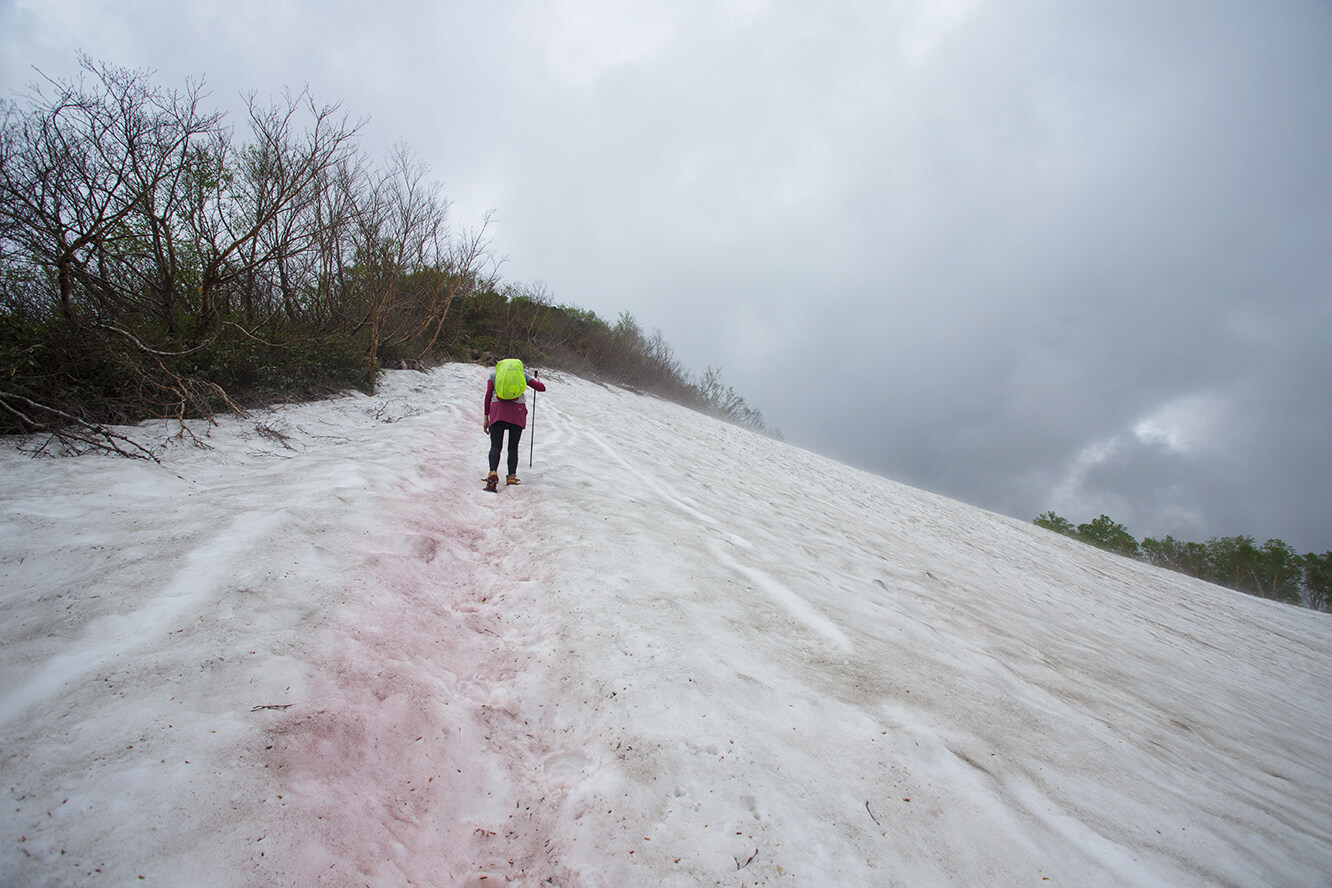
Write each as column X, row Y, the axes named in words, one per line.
column 497, row 430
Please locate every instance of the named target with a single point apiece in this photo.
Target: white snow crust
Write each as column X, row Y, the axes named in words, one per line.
column 317, row 653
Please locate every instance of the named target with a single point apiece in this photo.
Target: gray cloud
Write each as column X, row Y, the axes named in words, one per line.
column 963, row 244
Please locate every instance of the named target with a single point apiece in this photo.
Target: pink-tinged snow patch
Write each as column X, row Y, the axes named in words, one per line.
column 409, row 769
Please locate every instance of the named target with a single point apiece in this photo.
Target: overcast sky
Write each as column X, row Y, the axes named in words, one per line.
column 1031, row 254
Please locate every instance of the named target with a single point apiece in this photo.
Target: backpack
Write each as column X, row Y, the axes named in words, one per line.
column 510, row 379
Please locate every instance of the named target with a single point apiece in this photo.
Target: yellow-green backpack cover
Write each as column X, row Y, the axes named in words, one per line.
column 510, row 379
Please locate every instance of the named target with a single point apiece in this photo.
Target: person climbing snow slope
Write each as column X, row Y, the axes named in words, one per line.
column 506, row 412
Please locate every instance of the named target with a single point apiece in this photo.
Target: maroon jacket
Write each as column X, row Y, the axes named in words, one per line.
column 515, row 411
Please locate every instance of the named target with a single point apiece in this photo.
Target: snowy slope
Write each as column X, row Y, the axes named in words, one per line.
column 681, row 654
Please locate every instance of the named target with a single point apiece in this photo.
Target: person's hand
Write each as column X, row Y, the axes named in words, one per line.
column 485, row 424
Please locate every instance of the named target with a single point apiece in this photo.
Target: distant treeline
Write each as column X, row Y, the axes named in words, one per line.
column 1273, row 570
column 152, row 264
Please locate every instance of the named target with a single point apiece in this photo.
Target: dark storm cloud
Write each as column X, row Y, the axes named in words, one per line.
column 1168, row 242
column 1030, row 254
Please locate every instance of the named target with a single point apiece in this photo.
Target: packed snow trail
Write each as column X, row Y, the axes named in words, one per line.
column 680, row 654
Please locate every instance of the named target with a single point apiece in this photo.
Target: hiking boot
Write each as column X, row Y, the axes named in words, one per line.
column 512, row 479
column 492, row 481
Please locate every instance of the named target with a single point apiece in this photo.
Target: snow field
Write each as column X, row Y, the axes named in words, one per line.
column 680, row 654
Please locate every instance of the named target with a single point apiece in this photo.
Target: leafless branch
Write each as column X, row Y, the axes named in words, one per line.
column 71, row 431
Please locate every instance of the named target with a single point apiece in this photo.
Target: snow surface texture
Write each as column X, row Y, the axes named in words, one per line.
column 680, row 654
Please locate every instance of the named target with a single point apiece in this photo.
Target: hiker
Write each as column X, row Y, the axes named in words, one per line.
column 506, row 411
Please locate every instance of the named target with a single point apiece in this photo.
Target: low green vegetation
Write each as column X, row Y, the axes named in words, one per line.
column 1273, row 570
column 153, row 264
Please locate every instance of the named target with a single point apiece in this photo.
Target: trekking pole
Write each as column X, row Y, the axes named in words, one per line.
column 531, row 439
